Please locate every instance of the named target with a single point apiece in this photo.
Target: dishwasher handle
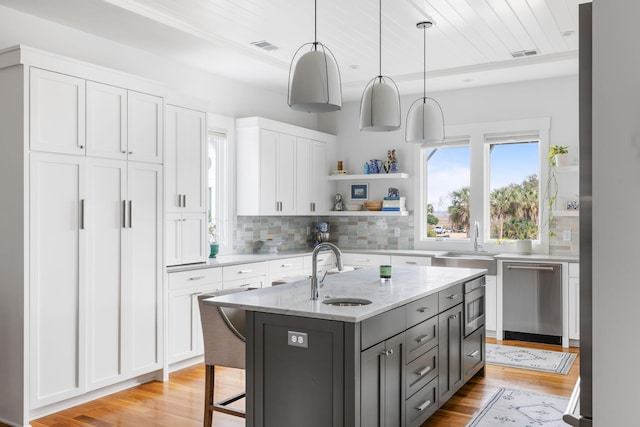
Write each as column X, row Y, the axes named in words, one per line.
column 530, row 267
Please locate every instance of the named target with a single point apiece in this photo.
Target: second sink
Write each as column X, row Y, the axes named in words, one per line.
column 467, row 259
column 346, row 302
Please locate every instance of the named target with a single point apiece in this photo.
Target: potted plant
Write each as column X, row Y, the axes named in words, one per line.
column 213, row 241
column 558, row 155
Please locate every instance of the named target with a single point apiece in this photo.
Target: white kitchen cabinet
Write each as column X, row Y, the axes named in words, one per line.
column 57, row 112
column 365, row 260
column 185, row 331
column 326, row 261
column 144, row 127
column 270, row 181
column 405, row 260
column 185, row 238
column 311, row 180
column 57, row 243
column 574, row 301
column 106, row 121
column 491, row 303
column 250, row 275
column 285, row 269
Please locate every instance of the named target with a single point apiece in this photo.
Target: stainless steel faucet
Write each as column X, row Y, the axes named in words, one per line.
column 314, row 265
column 476, row 235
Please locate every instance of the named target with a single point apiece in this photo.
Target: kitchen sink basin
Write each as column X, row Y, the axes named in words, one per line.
column 346, row 302
column 467, row 259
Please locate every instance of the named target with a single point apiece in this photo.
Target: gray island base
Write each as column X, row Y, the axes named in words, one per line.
column 392, row 362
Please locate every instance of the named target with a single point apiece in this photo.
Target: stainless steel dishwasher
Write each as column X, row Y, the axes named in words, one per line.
column 532, row 302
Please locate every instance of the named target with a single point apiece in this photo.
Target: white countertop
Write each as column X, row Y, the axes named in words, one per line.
column 408, row 284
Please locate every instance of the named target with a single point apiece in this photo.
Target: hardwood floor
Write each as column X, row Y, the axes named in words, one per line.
column 179, row 401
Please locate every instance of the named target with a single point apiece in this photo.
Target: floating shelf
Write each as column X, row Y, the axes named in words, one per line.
column 366, row 213
column 368, row 177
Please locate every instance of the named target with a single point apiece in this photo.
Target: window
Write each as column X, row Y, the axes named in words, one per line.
column 485, row 173
column 448, row 192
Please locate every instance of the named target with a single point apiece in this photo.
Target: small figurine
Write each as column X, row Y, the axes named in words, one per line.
column 391, row 164
column 338, row 204
column 393, row 192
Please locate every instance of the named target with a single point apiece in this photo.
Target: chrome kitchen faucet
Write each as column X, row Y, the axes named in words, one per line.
column 314, row 265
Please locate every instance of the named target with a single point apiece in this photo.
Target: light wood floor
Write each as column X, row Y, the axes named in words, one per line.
column 179, row 401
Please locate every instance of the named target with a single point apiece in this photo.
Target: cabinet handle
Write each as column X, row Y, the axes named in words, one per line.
column 124, row 214
column 423, row 309
column 82, row 147
column 124, row 152
column 130, row 214
column 286, row 265
column 473, row 354
column 363, row 260
column 422, row 338
column 244, row 271
column 245, row 285
column 410, row 262
column 423, row 371
column 453, row 316
column 387, row 352
column 81, row 214
column 424, row 406
column 184, row 200
column 130, row 152
column 196, row 277
column 454, row 296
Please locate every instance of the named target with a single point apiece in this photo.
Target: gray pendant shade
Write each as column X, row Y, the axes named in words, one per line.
column 425, row 119
column 314, row 81
column 380, row 103
column 314, row 84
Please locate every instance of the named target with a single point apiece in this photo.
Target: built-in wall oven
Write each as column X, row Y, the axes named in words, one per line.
column 474, row 302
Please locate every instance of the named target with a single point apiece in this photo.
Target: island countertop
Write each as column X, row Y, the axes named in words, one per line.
column 408, row 284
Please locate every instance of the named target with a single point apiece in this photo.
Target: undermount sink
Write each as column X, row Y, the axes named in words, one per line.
column 346, row 302
column 467, row 259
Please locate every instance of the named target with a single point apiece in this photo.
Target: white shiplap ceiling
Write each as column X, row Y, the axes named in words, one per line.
column 470, row 45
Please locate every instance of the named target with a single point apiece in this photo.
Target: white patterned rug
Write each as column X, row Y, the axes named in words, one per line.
column 528, row 358
column 521, row 408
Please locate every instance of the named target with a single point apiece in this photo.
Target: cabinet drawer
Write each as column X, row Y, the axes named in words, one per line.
column 405, row 260
column 183, row 279
column 421, row 371
column 242, row 271
column 474, row 353
column 423, row 404
column 325, row 259
column 286, row 265
column 247, row 282
column 422, row 309
column 365, row 260
column 422, row 338
column 382, row 327
column 450, row 297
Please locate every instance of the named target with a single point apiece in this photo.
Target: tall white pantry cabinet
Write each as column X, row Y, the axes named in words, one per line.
column 81, row 171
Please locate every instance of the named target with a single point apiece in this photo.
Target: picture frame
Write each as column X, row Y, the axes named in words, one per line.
column 359, row 191
column 573, row 205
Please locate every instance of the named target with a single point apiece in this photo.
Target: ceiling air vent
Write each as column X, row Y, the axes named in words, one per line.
column 263, row 44
column 523, row 53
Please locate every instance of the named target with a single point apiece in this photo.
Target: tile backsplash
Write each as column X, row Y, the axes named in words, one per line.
column 363, row 232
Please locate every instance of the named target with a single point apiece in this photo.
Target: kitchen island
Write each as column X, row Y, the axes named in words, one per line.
column 393, row 361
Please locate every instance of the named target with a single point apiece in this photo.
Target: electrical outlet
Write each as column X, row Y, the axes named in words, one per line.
column 396, row 232
column 298, row 339
column 566, row 235
column 308, row 230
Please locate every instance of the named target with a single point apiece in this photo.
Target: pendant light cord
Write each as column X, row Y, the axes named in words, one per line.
column 380, row 39
column 424, row 64
column 315, row 24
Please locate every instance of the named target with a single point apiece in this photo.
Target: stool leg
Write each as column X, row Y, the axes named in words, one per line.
column 208, row 395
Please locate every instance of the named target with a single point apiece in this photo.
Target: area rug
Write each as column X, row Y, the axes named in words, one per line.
column 521, row 408
column 528, row 358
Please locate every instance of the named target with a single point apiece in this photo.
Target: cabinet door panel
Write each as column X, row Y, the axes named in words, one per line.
column 144, row 268
column 144, row 117
column 286, row 173
column 57, row 112
column 191, row 129
column 304, row 170
column 450, row 341
column 106, row 121
column 194, row 240
column 319, row 172
column 268, row 173
column 57, row 247
column 105, row 228
column 371, row 383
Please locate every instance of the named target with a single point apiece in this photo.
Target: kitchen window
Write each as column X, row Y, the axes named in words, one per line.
column 489, row 173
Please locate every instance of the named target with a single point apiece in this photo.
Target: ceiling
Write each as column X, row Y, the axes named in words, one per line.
column 471, row 43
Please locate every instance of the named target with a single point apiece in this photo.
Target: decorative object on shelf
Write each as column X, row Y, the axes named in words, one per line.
column 338, row 204
column 551, row 190
column 373, row 206
column 359, row 191
column 425, row 119
column 366, row 169
column 322, row 233
column 375, row 165
column 314, row 81
column 558, row 155
column 214, row 247
column 353, row 207
column 393, row 192
column 341, row 172
column 391, row 164
column 339, row 165
column 573, row 205
column 380, row 103
column 523, row 246
column 271, row 245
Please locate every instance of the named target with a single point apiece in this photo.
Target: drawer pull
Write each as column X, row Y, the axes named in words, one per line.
column 423, row 309
column 410, row 262
column 196, row 277
column 424, row 406
column 245, row 285
column 423, row 338
column 286, row 265
column 454, row 296
column 474, row 353
column 423, row 371
column 244, row 271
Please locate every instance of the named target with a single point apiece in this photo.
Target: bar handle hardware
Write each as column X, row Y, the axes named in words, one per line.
column 423, row 309
column 530, row 267
column 196, row 277
column 423, row 371
column 454, row 296
column 130, row 214
column 81, row 214
column 244, row 271
column 424, row 406
column 422, row 338
column 474, row 353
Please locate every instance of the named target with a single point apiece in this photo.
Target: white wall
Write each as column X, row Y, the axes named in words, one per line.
column 554, row 98
column 225, row 97
column 616, row 176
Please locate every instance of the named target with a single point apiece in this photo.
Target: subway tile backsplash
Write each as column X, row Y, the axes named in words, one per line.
column 362, row 232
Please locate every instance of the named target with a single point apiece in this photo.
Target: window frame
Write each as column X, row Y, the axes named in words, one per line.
column 478, row 134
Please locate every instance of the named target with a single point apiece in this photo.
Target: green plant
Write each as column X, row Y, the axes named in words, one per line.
column 554, row 150
column 213, row 238
column 551, row 191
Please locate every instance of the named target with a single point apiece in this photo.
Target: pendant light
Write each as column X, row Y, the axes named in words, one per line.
column 380, row 103
column 425, row 119
column 314, row 81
